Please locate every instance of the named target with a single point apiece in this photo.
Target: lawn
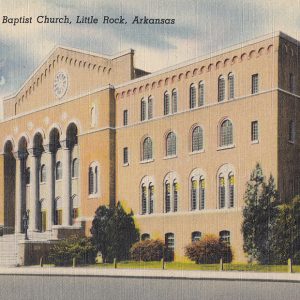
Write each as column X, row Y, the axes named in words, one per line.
column 193, row 266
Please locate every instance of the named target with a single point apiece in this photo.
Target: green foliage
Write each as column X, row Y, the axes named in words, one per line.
column 148, row 250
column 81, row 248
column 260, row 214
column 113, row 232
column 209, row 250
column 286, row 238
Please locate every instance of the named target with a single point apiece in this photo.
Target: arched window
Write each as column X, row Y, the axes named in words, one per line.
column 171, row 193
column 226, row 186
column 43, row 174
column 27, row 175
column 58, row 170
column 93, row 178
column 174, row 101
column 145, row 236
column 147, row 195
column 170, row 246
column 166, row 103
column 224, row 236
column 226, row 133
column 201, row 95
column 196, row 236
column 147, row 149
column 197, row 139
column 230, row 86
column 292, row 131
column 143, row 109
column 150, row 107
column 197, row 188
column 75, row 207
column 171, row 144
column 192, row 96
column 75, row 166
column 221, row 88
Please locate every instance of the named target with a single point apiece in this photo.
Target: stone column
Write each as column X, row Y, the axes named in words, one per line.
column 50, row 186
column 66, row 182
column 33, row 190
column 18, row 195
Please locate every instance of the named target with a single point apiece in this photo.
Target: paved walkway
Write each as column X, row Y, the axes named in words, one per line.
column 137, row 273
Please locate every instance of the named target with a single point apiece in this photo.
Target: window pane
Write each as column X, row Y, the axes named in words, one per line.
column 225, row 236
column 226, row 137
column 143, row 110
column 144, row 200
column 202, row 193
column 151, row 198
column 254, row 131
column 171, row 144
column 125, row 117
column 221, row 192
column 221, row 89
column 91, row 181
column 201, row 94
column 254, row 83
column 231, row 86
column 175, row 196
column 166, row 104
column 168, row 197
column 150, row 108
column 196, row 236
column 125, row 155
column 192, row 96
column 174, row 101
column 197, row 139
column 147, row 148
column 231, row 190
column 194, row 195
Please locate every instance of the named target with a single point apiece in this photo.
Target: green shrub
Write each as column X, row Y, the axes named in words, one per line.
column 148, row 250
column 81, row 248
column 208, row 250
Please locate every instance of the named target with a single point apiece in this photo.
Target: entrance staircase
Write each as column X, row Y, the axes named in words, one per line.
column 9, row 249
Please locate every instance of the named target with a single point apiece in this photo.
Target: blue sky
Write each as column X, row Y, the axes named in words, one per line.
column 201, row 27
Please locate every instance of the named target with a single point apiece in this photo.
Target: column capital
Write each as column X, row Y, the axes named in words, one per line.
column 64, row 144
column 47, row 148
column 31, row 151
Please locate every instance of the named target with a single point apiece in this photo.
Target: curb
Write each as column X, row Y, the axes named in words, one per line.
column 150, row 273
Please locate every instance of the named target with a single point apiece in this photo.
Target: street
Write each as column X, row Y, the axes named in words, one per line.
column 57, row 287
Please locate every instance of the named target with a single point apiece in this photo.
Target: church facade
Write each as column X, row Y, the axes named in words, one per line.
column 176, row 146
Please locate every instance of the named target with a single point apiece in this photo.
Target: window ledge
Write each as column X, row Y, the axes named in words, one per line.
column 226, row 147
column 291, row 142
column 255, row 142
column 146, row 161
column 126, row 165
column 58, row 180
column 43, row 183
column 170, row 157
column 197, row 152
column 76, row 177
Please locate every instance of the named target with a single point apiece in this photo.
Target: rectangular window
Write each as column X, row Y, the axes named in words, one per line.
column 175, row 196
column 151, row 199
column 194, row 195
column 143, row 110
column 202, row 194
column 201, row 94
column 255, row 84
column 254, row 131
column 168, row 197
column 150, row 108
column 125, row 117
column 125, row 155
column 221, row 192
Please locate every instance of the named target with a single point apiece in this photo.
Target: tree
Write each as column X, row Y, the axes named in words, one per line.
column 113, row 232
column 260, row 213
column 286, row 237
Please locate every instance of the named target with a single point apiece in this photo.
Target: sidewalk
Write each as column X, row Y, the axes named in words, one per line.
column 143, row 273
